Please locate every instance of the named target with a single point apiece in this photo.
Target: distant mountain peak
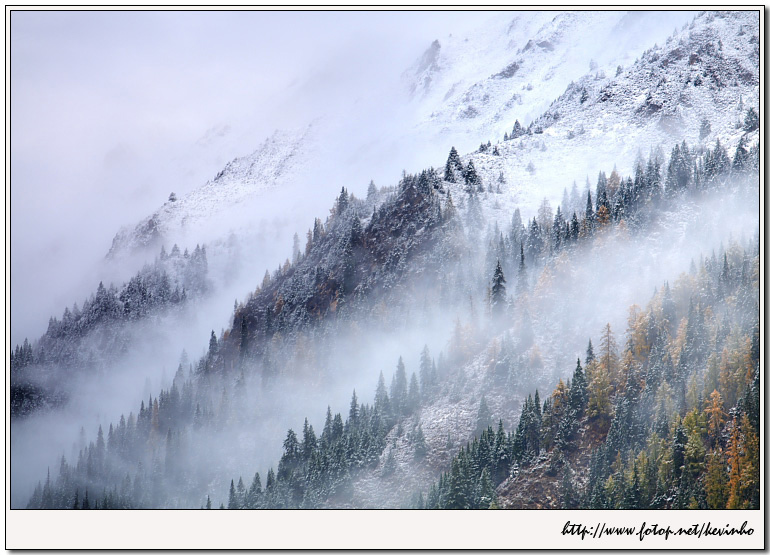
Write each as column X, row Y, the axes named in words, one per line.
column 243, row 179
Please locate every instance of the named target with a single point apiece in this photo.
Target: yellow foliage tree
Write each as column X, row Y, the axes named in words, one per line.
column 716, row 416
column 603, row 216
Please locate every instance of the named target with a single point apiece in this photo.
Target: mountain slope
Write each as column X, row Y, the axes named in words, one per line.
column 416, row 257
column 272, row 339
column 513, row 68
column 207, row 213
column 604, row 121
column 109, row 326
column 455, row 98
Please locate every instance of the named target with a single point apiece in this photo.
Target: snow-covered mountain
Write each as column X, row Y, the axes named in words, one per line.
column 206, row 213
column 705, row 73
column 382, row 274
column 476, row 86
column 462, row 90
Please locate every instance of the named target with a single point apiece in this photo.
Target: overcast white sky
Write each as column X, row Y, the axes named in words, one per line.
column 112, row 110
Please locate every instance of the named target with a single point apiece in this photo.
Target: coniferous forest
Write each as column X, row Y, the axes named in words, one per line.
column 453, row 338
column 667, row 418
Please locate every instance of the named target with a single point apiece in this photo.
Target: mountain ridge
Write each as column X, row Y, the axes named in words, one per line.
column 423, row 241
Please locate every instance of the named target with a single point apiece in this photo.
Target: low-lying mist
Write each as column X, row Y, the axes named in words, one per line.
column 137, row 115
column 245, row 413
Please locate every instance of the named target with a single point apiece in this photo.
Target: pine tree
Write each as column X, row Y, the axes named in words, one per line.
column 522, row 284
column 751, row 121
column 233, row 499
column 578, row 392
column 342, row 201
column 472, row 179
column 457, row 496
column 453, row 164
column 240, row 493
column 381, row 400
column 449, row 173
column 253, row 497
column 498, row 295
column 291, row 456
column 371, row 191
column 589, row 219
column 213, row 347
column 326, row 434
column 352, row 413
column 589, row 353
column 652, row 174
column 318, row 231
column 399, row 389
column 678, row 450
column 741, row 160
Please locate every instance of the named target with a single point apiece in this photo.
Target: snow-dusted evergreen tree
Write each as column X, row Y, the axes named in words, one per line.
column 371, row 191
column 741, row 159
column 453, row 166
column 751, row 121
column 522, row 283
column 472, row 179
column 497, row 297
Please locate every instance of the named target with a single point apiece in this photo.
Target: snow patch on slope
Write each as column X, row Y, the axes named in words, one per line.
column 600, row 122
column 220, row 203
column 512, row 69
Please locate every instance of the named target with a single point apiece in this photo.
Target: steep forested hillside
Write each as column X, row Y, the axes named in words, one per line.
column 671, row 420
column 684, row 386
column 449, row 340
column 99, row 332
